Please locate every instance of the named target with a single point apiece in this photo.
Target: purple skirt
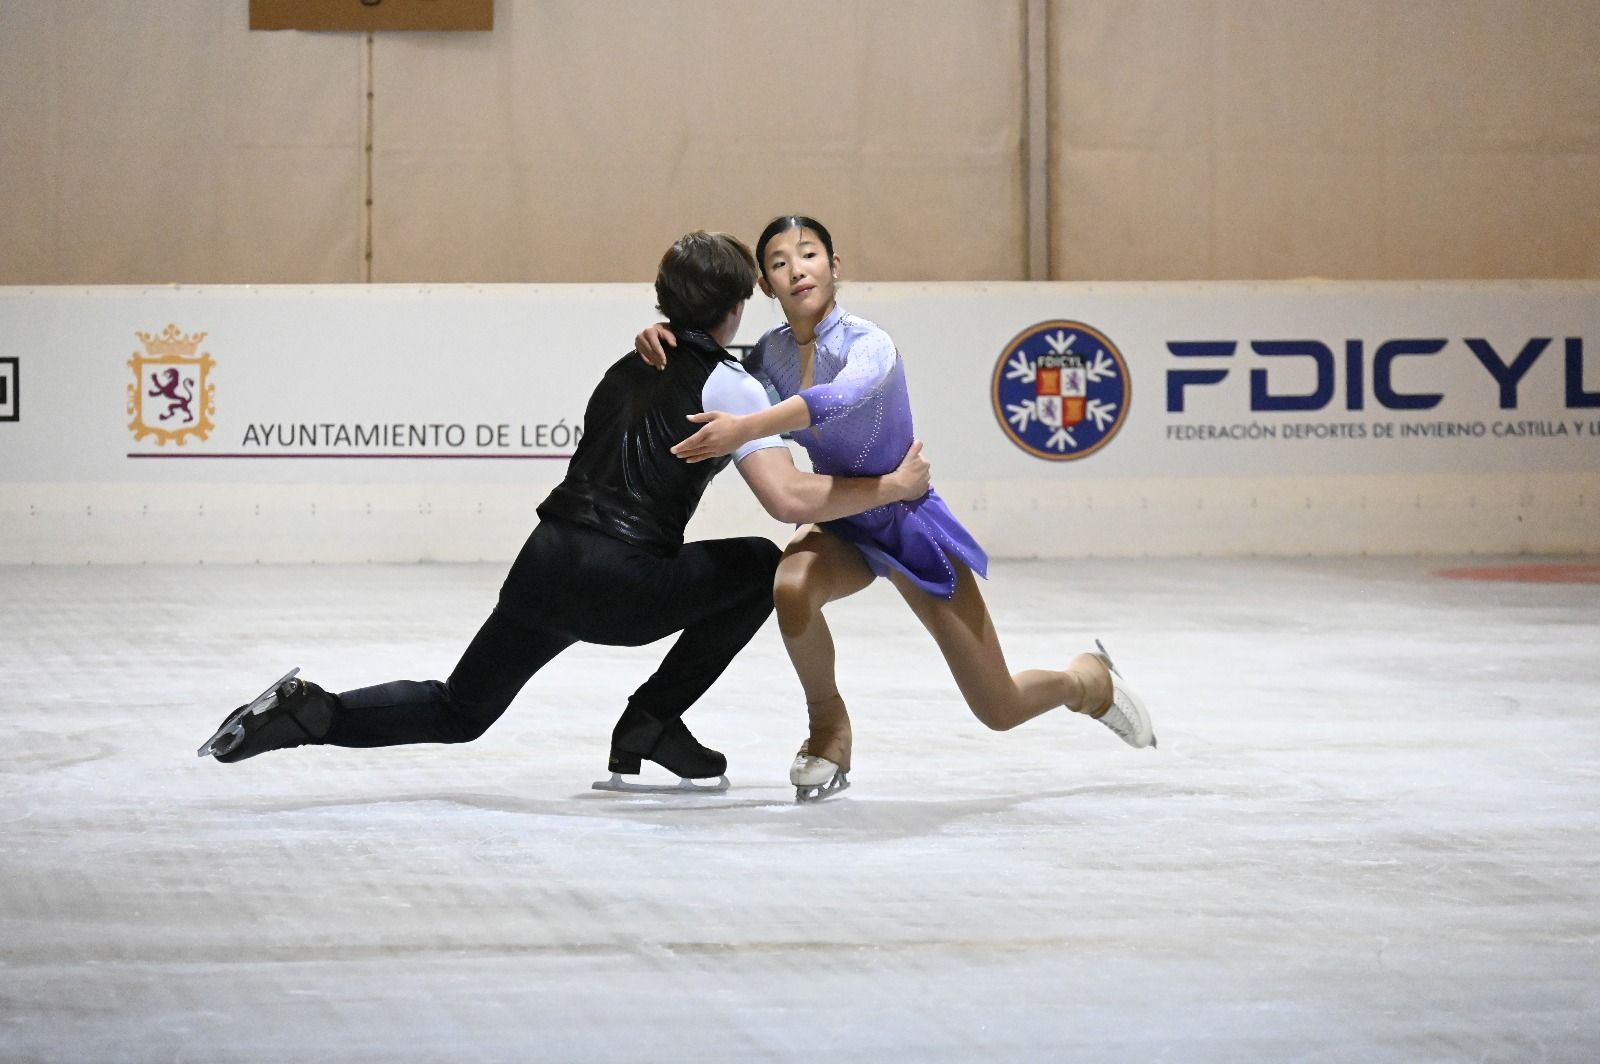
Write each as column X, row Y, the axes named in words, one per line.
column 915, row 538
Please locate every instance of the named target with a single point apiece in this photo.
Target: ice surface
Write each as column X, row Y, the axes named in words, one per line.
column 1370, row 833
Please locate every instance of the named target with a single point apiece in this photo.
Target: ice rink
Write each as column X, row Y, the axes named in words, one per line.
column 1371, row 832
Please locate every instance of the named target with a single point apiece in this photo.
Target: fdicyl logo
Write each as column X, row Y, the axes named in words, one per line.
column 1060, row 390
column 10, row 371
column 170, row 398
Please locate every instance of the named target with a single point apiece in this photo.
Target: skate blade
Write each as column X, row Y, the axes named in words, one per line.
column 807, row 795
column 1110, row 667
column 683, row 786
column 1105, row 657
column 231, row 733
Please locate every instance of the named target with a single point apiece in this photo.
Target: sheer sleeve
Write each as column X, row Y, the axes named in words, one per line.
column 755, row 362
column 870, row 359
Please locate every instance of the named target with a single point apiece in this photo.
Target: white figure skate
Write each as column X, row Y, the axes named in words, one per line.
column 815, row 778
column 820, row 768
column 1127, row 715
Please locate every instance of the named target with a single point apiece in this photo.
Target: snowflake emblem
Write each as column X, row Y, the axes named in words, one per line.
column 1060, row 390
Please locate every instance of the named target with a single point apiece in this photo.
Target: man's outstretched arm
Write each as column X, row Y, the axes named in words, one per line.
column 767, row 466
column 804, row 498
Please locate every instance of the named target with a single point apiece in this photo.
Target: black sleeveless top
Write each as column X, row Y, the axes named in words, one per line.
column 623, row 479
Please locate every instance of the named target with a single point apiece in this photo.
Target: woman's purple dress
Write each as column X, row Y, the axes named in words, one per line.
column 861, row 427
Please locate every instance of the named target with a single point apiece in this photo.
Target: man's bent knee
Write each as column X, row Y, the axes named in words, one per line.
column 465, row 721
column 769, row 552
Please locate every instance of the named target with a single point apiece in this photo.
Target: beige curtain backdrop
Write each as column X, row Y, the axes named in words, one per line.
column 1325, row 138
column 159, row 140
column 576, row 141
column 151, row 141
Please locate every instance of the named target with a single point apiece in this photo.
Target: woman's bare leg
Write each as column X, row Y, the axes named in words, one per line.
column 818, row 568
column 997, row 697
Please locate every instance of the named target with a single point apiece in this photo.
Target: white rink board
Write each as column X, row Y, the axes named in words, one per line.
column 396, row 423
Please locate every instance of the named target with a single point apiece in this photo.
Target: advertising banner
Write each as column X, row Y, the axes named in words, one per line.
column 1169, row 380
column 246, row 384
column 1029, row 398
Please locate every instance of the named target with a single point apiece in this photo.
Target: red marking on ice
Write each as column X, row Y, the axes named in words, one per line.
column 1527, row 574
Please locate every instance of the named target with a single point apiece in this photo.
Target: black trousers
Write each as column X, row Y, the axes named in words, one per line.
column 571, row 584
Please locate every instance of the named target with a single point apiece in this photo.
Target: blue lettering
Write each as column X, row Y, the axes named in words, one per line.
column 1382, row 373
column 1508, row 376
column 1354, row 370
column 1178, row 379
column 1261, row 399
column 1576, row 396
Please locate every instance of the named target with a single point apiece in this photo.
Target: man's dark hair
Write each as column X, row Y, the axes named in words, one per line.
column 702, row 277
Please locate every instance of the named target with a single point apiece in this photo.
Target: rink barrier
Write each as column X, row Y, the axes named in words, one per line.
column 425, row 423
column 1454, row 515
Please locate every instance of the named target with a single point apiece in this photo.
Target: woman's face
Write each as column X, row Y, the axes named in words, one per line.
column 799, row 272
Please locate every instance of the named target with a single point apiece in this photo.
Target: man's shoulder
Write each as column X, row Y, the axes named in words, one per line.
column 628, row 365
column 683, row 364
column 730, row 387
column 731, row 368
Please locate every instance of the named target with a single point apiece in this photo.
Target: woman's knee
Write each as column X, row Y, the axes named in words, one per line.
column 795, row 606
column 993, row 717
column 796, row 595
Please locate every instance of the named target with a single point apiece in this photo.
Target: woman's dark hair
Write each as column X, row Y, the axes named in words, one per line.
column 783, row 224
column 702, row 277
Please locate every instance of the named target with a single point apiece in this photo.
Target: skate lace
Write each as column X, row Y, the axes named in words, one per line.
column 1117, row 719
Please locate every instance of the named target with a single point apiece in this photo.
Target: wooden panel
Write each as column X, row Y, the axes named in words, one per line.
column 372, row 14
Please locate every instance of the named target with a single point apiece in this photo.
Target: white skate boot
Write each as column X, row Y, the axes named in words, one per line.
column 820, row 768
column 1126, row 715
column 815, row 778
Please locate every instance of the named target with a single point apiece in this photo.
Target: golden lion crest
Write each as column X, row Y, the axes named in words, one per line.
column 170, row 397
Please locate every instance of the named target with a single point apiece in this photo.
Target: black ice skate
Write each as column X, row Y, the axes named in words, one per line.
column 292, row 712
column 639, row 738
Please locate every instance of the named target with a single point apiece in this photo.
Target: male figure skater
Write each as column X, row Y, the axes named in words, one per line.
column 607, row 562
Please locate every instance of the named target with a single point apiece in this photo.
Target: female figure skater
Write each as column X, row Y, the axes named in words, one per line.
column 842, row 395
